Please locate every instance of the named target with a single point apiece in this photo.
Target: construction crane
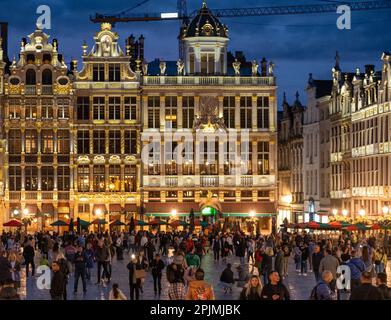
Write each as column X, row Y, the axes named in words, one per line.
column 181, row 13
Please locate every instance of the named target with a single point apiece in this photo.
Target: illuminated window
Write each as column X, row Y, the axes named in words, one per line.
column 171, row 112
column 31, row 109
column 63, row 108
column 83, row 178
column 14, row 178
column 47, row 178
column 154, row 112
column 14, row 109
column 63, row 173
column 187, row 112
column 263, row 158
column 47, row 143
column 229, row 111
column 99, row 108
column 114, row 178
column 130, row 178
column 31, row 178
column 14, row 142
column 31, row 141
column 63, row 142
column 99, row 178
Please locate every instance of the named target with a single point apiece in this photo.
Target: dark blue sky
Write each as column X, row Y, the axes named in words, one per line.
column 297, row 44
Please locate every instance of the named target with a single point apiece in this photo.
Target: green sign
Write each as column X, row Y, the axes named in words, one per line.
column 208, row 211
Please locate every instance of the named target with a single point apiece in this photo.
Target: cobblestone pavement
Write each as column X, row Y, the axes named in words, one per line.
column 299, row 286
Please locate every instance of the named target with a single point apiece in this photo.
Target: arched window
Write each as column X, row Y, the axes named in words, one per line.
column 31, row 77
column 47, row 77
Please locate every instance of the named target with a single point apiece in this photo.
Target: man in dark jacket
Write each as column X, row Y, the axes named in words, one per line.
column 366, row 291
column 381, row 282
column 28, row 255
column 102, row 255
column 80, row 269
column 157, row 266
column 275, row 290
column 317, row 256
column 227, row 277
column 356, row 266
column 279, row 262
column 57, row 285
column 5, row 268
column 216, row 246
column 304, row 258
column 134, row 282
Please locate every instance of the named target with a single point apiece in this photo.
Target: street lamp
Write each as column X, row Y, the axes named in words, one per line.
column 173, row 212
column 385, row 210
column 335, row 211
column 252, row 214
column 25, row 212
column 361, row 212
column 16, row 212
column 344, row 212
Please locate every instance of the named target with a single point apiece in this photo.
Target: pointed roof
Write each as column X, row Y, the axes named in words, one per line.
column 297, row 106
column 205, row 24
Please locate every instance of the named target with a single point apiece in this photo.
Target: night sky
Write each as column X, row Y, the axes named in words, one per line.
column 297, row 44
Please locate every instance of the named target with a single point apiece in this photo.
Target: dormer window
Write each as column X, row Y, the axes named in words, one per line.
column 114, row 72
column 98, row 72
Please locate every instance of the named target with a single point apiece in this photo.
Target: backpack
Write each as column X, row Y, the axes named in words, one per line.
column 314, row 294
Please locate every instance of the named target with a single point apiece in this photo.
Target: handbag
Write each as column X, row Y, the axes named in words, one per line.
column 140, row 274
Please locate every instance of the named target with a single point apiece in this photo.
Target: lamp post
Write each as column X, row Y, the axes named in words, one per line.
column 361, row 212
column 335, row 211
column 344, row 212
column 385, row 210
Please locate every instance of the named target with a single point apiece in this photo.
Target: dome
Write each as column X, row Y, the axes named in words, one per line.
column 205, row 24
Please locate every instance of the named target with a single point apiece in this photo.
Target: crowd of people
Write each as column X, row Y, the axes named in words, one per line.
column 257, row 264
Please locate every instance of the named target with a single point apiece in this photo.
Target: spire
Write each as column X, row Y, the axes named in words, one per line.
column 297, row 105
column 204, row 4
column 284, row 98
column 310, row 80
column 337, row 60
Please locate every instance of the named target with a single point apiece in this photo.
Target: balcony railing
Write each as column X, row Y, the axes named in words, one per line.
column 31, row 195
column 63, row 196
column 47, row 89
column 30, row 89
column 208, row 181
column 171, row 181
column 47, row 195
column 208, row 80
column 15, row 195
column 246, row 181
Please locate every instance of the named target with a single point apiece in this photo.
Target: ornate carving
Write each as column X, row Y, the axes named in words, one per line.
column 236, row 65
column 162, row 67
column 180, row 67
column 271, row 69
column 254, row 68
column 208, row 119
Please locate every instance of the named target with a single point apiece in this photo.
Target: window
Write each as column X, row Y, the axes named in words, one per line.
column 63, row 178
column 263, row 157
column 98, row 72
column 170, row 158
column 47, row 178
column 209, row 152
column 154, row 112
column 130, row 106
column 207, row 63
column 31, row 178
column 47, row 141
column 14, row 109
column 114, row 72
column 263, row 112
column 99, row 108
column 229, row 111
column 154, row 158
column 99, row 178
column 229, row 157
column 115, row 141
column 187, row 155
column 31, row 141
column 99, row 142
column 83, row 208
column 83, row 178
column 47, row 109
column 14, row 142
column 187, row 112
column 171, row 112
column 31, row 78
column 246, row 157
column 83, row 142
column 115, row 108
column 63, row 142
column 130, row 178
column 246, row 112
column 130, row 142
column 31, row 108
column 115, row 178
column 63, row 108
column 15, row 178
column 83, row 108
column 47, row 77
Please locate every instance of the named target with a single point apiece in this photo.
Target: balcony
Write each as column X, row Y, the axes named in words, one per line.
column 47, row 195
column 209, row 181
column 47, row 90
column 30, row 90
column 171, row 181
column 63, row 196
column 208, row 80
column 31, row 195
column 15, row 195
column 246, row 181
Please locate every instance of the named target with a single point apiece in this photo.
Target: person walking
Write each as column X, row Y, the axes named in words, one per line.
column 134, row 268
column 5, row 268
column 267, row 264
column 80, row 270
column 102, row 255
column 287, row 254
column 330, row 263
column 157, row 266
column 317, row 257
column 304, row 258
column 322, row 290
column 253, row 289
column 216, row 246
column 89, row 255
column 15, row 269
column 279, row 262
column 28, row 255
column 381, row 283
column 57, row 285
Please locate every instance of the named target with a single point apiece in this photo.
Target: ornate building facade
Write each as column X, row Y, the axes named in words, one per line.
column 114, row 140
column 290, row 162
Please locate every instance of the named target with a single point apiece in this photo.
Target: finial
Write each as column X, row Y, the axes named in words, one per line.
column 337, row 59
column 204, row 4
column 284, row 97
column 84, row 47
column 297, row 95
